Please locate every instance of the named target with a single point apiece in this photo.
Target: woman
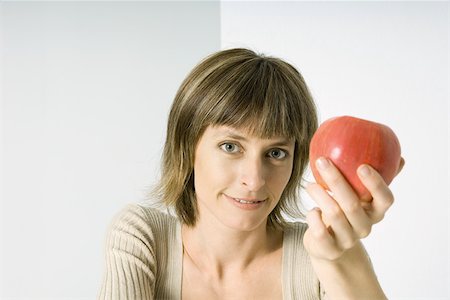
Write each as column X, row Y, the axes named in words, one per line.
column 236, row 148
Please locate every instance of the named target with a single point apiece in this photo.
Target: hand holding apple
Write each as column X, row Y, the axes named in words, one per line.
column 350, row 142
column 356, row 160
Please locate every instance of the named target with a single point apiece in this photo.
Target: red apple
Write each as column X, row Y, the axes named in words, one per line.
column 349, row 142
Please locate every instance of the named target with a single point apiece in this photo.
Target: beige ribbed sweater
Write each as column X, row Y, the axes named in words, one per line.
column 144, row 257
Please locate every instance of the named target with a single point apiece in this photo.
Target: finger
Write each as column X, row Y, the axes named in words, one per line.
column 332, row 215
column 401, row 165
column 335, row 181
column 322, row 244
column 382, row 195
column 346, row 197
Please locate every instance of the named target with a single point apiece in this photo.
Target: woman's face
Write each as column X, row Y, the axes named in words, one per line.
column 239, row 178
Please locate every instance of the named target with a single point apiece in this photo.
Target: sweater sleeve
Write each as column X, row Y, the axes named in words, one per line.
column 130, row 258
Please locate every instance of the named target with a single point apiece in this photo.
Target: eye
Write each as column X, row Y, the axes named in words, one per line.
column 277, row 153
column 229, row 147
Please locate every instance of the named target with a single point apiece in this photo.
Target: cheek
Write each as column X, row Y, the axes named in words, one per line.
column 211, row 175
column 280, row 179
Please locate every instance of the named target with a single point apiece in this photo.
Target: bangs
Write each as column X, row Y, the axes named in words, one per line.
column 258, row 100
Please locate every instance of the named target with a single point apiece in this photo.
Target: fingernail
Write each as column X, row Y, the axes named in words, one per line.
column 322, row 163
column 364, row 171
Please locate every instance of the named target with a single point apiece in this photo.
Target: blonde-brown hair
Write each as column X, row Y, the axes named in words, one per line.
column 241, row 89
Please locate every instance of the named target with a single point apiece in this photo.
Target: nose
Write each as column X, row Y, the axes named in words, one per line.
column 252, row 174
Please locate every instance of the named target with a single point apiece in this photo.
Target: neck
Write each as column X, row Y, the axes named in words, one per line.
column 216, row 248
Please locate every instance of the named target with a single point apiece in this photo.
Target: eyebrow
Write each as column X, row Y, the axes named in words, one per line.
column 235, row 136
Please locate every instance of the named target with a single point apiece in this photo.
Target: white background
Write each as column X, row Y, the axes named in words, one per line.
column 85, row 90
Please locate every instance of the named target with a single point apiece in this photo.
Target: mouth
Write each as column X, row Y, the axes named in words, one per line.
column 246, row 200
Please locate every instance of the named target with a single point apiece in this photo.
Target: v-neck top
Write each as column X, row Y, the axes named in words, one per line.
column 144, row 258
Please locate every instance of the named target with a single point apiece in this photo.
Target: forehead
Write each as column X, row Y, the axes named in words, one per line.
column 223, row 131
